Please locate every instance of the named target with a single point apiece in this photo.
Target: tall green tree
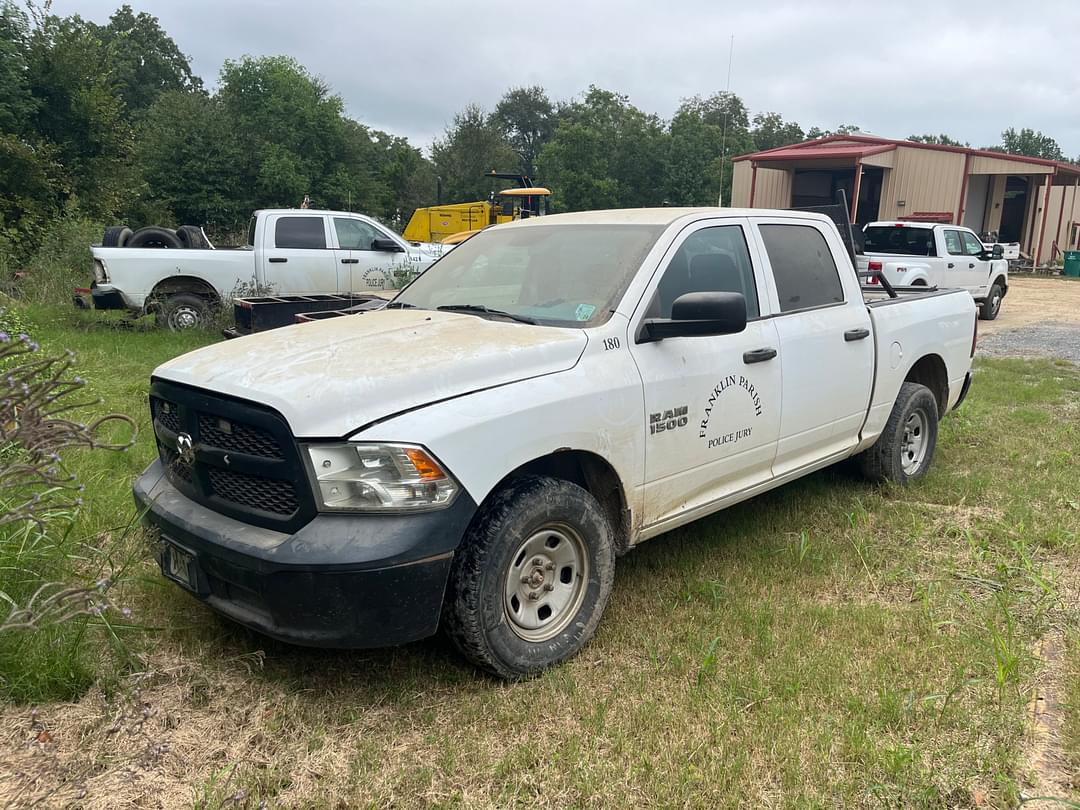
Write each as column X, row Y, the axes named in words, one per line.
column 472, row 146
column 937, row 140
column 1030, row 143
column 770, row 131
column 605, row 153
column 526, row 118
column 706, row 133
column 144, row 61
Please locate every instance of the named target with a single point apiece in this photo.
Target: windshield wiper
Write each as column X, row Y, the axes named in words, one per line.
column 480, row 309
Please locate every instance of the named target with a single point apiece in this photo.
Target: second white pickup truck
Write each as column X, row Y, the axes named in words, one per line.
column 289, row 251
column 548, row 395
column 930, row 255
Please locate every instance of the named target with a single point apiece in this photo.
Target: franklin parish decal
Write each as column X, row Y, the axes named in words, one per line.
column 751, row 406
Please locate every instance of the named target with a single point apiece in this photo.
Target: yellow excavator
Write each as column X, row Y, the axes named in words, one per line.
column 451, row 224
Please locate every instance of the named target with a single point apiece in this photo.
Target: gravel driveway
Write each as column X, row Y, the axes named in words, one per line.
column 1040, row 317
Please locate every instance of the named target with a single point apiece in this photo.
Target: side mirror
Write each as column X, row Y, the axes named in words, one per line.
column 387, row 246
column 989, row 254
column 698, row 314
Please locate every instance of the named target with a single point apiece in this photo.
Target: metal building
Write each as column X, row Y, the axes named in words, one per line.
column 1026, row 200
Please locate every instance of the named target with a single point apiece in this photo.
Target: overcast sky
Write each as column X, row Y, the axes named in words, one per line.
column 969, row 69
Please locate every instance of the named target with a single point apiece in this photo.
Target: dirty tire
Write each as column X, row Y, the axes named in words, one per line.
column 153, row 237
column 990, row 308
column 191, row 236
column 183, row 311
column 530, row 512
column 899, row 455
column 116, row 236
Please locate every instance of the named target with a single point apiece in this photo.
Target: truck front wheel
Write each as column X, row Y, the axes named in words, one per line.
column 182, row 311
column 992, row 305
column 531, row 579
column 905, row 448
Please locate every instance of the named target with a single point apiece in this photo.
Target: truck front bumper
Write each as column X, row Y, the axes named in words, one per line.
column 348, row 581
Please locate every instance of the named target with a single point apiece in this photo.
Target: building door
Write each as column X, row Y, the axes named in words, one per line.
column 1013, row 210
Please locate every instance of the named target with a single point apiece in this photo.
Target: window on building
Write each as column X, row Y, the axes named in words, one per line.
column 803, row 267
column 300, row 232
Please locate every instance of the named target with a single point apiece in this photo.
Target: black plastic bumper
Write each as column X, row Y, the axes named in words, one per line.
column 348, row 581
column 106, row 299
column 963, row 391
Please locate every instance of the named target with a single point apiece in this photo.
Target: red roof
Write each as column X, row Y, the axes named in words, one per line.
column 858, row 146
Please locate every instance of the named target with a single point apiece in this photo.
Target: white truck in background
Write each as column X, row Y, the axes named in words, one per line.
column 289, row 251
column 547, row 396
column 922, row 254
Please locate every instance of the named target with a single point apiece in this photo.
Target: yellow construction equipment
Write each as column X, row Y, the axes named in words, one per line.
column 440, row 222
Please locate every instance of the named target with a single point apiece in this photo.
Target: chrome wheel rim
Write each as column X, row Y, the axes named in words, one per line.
column 913, row 446
column 545, row 582
column 995, row 302
column 184, row 317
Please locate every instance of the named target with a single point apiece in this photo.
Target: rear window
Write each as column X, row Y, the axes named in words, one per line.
column 299, row 232
column 251, row 232
column 803, row 267
column 900, row 240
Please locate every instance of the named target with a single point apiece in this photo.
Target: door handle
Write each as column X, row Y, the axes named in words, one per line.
column 856, row 334
column 278, row 260
column 971, row 265
column 951, row 265
column 350, row 261
column 758, row 355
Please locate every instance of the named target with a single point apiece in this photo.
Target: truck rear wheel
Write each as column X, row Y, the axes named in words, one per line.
column 992, row 305
column 905, row 448
column 183, row 311
column 531, row 579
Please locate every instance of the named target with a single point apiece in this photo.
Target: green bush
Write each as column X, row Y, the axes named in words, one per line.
column 63, row 262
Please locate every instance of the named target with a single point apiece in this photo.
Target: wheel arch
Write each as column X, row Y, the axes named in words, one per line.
column 183, row 284
column 591, row 472
column 1003, row 281
column 930, row 370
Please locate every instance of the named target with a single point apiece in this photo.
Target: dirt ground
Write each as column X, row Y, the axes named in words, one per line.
column 1036, row 300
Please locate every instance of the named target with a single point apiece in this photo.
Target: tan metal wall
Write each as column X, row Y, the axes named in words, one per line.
column 924, row 180
column 1059, row 220
column 772, row 189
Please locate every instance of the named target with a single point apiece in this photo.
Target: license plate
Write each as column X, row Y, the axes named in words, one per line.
column 178, row 565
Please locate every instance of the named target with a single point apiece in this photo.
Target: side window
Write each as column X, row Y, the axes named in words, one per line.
column 972, row 245
column 354, row 234
column 953, row 243
column 300, row 232
column 802, row 265
column 710, row 260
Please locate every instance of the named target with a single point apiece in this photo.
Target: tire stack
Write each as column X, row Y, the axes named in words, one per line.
column 190, row 237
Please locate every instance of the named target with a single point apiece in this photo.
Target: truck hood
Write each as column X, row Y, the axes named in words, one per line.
column 330, row 377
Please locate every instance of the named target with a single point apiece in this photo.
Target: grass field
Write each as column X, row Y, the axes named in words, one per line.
column 830, row 644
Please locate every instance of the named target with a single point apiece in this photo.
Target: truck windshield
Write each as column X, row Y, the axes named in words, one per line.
column 557, row 275
column 902, row 240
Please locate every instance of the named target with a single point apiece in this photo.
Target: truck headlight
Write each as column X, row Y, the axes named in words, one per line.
column 379, row 477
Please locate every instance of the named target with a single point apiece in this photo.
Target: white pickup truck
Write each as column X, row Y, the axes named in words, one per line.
column 288, row 251
column 924, row 254
column 547, row 396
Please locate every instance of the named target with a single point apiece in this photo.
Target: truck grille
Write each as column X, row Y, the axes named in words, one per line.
column 242, row 460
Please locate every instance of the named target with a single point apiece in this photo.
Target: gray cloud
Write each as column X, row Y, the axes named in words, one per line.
column 965, row 68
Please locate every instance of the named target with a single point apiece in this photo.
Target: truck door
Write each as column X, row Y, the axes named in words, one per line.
column 960, row 267
column 712, row 404
column 362, row 268
column 977, row 273
column 296, row 257
column 826, row 342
